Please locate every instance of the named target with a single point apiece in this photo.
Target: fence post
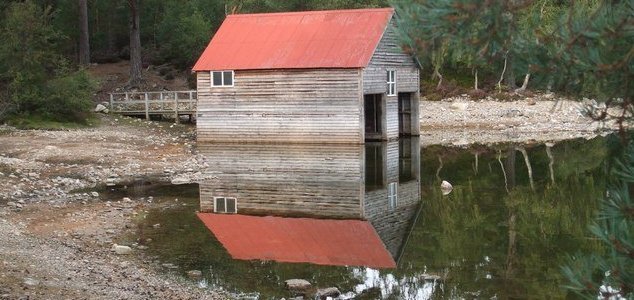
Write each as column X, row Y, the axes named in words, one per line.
column 176, row 108
column 147, row 107
column 111, row 102
column 161, row 96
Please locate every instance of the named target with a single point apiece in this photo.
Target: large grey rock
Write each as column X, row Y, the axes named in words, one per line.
column 297, row 285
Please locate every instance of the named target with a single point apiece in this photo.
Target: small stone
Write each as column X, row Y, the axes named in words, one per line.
column 12, row 204
column 121, row 250
column 181, row 180
column 297, row 285
column 94, row 194
column 100, row 108
column 169, row 266
column 460, row 106
column 21, row 201
column 126, row 199
column 156, row 226
column 194, row 274
column 446, row 187
column 327, row 292
column 31, row 282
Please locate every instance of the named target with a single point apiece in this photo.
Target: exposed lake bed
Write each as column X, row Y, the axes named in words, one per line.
column 51, row 232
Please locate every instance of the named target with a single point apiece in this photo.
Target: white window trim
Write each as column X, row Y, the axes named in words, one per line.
column 222, row 78
column 391, row 83
column 392, row 195
column 235, row 200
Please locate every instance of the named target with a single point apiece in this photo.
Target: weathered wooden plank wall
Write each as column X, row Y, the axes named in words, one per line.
column 390, row 56
column 293, row 180
column 392, row 223
column 297, row 106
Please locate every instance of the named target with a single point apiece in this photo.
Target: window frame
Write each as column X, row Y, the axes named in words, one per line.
column 235, row 201
column 222, row 78
column 391, row 83
column 392, row 195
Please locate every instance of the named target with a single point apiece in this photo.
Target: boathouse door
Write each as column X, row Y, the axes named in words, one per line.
column 373, row 108
column 405, row 114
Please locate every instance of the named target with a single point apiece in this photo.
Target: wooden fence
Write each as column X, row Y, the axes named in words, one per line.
column 174, row 103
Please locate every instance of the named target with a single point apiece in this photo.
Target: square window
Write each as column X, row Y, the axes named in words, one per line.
column 220, row 205
column 225, row 205
column 222, row 78
column 230, row 205
column 227, row 78
column 217, row 78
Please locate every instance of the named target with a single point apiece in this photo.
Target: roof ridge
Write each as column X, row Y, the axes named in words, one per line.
column 378, row 9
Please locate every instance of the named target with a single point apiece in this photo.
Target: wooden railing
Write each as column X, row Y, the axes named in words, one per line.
column 154, row 103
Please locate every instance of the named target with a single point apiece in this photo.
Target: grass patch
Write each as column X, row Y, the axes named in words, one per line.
column 43, row 122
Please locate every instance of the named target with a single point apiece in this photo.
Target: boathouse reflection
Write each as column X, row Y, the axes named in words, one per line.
column 324, row 204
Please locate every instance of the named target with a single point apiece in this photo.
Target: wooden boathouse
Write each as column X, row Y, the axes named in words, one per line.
column 337, row 76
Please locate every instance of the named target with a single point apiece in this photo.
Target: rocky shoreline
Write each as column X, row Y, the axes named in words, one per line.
column 56, row 232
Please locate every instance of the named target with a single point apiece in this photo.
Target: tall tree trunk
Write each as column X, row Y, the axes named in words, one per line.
column 528, row 166
column 84, row 44
column 439, row 76
column 509, row 78
column 135, row 44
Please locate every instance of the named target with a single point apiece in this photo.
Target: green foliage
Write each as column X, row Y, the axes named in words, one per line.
column 37, row 78
column 612, row 274
column 183, row 34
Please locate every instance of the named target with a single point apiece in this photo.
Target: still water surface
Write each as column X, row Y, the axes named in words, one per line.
column 372, row 220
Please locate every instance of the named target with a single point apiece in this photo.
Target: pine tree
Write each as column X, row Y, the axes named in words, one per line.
column 588, row 52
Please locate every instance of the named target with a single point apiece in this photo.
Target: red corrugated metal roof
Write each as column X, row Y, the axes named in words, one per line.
column 317, row 241
column 310, row 39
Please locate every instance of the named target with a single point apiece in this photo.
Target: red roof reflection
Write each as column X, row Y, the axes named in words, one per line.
column 317, row 241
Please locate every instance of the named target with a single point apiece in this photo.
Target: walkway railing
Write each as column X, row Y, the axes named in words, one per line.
column 154, row 103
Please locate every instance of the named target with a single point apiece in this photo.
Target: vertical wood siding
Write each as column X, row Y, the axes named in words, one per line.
column 296, row 106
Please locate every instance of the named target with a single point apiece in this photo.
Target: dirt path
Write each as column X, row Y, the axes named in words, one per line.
column 57, row 244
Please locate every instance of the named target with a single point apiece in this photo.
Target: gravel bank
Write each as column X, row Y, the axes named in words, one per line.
column 460, row 121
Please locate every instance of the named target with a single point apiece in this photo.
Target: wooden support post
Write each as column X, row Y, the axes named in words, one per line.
column 147, row 108
column 176, row 107
column 111, row 102
column 161, row 97
column 127, row 102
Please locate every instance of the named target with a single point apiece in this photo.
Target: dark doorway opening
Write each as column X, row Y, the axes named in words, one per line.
column 373, row 108
column 374, row 175
column 405, row 114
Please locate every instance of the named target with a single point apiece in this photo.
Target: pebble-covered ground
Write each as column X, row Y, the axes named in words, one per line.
column 460, row 121
column 57, row 244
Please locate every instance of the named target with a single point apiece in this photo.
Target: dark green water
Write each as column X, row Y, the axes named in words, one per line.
column 501, row 232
